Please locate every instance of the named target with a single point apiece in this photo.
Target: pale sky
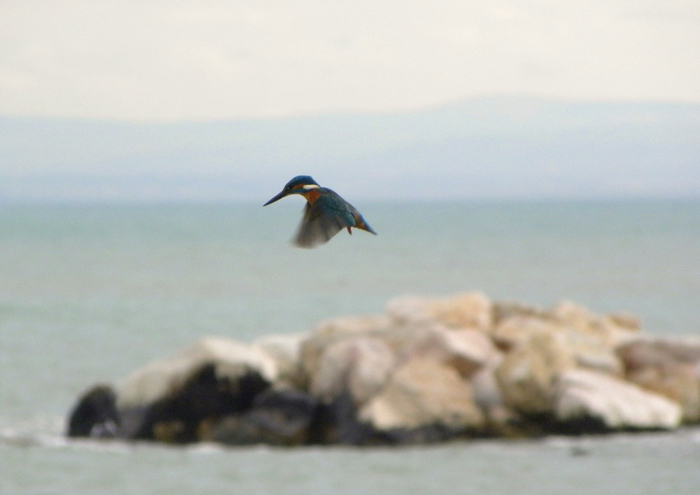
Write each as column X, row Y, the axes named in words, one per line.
column 169, row 60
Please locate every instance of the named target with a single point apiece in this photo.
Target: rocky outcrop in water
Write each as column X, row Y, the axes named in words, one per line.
column 427, row 370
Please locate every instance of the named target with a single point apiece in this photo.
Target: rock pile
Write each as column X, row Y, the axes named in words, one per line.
column 426, row 370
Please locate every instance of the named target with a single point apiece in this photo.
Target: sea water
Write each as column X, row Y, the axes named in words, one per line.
column 89, row 293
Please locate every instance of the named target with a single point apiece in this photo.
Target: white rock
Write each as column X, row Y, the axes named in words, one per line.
column 516, row 330
column 359, row 366
column 285, row 349
column 527, row 375
column 667, row 366
column 231, row 359
column 487, row 393
column 590, row 349
column 423, row 392
column 469, row 310
column 351, row 325
column 617, row 404
column 334, row 330
column 464, row 349
column 613, row 330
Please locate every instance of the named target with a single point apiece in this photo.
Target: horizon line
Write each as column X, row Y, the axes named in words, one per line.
column 355, row 113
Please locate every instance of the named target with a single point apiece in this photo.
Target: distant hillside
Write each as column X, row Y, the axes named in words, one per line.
column 483, row 148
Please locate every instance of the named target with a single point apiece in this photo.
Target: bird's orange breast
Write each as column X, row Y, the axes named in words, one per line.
column 311, row 195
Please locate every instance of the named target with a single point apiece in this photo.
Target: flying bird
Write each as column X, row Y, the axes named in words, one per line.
column 325, row 214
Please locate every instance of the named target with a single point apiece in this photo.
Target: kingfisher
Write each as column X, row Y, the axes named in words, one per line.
column 325, row 214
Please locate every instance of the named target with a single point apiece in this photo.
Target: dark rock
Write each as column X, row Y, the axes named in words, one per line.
column 337, row 423
column 276, row 417
column 203, row 399
column 426, row 434
column 135, row 423
column 95, row 415
column 584, row 425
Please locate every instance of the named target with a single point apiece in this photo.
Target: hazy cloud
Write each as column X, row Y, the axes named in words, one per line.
column 175, row 60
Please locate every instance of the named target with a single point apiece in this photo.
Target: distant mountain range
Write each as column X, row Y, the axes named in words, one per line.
column 481, row 148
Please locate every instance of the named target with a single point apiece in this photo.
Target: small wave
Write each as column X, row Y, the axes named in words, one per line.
column 45, row 431
column 31, row 432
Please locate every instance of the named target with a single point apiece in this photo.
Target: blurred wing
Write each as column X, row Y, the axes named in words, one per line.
column 322, row 220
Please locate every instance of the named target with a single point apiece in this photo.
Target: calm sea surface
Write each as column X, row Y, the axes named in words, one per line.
column 89, row 293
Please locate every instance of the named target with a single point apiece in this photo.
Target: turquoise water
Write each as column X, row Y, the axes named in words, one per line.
column 89, row 293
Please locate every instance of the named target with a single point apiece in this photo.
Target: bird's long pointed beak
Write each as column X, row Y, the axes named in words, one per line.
column 276, row 198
